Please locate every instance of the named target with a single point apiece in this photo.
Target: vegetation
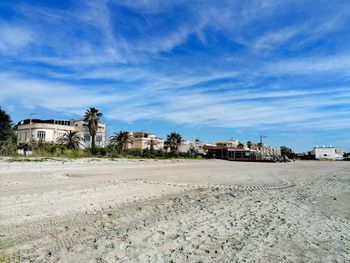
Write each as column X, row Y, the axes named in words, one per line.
column 152, row 143
column 71, row 140
column 8, row 147
column 69, row 145
column 249, row 144
column 173, row 141
column 285, row 151
column 120, row 140
column 346, row 156
column 6, row 130
column 92, row 116
column 7, row 135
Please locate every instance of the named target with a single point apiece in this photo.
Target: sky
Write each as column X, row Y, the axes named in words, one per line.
column 212, row 70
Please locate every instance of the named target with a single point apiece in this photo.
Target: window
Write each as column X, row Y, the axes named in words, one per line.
column 41, row 135
column 99, row 138
column 87, row 137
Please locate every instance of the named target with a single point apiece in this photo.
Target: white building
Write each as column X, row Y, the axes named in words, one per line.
column 329, row 153
column 196, row 146
column 49, row 130
column 185, row 146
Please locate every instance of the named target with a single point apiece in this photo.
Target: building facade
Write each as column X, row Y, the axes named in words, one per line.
column 328, row 153
column 49, row 130
column 144, row 140
column 188, row 146
column 229, row 150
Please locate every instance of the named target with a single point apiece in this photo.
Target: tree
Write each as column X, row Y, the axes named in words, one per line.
column 71, row 140
column 249, row 144
column 285, row 151
column 173, row 141
column 6, row 131
column 121, row 139
column 92, row 116
column 240, row 145
column 152, row 142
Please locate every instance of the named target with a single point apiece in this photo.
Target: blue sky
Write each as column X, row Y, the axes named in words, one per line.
column 211, row 70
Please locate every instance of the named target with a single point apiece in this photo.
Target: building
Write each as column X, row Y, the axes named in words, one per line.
column 228, row 143
column 143, row 140
column 328, row 153
column 49, row 130
column 188, row 146
column 185, row 146
column 234, row 153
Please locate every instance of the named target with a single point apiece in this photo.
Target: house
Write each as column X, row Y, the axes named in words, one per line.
column 143, row 140
column 328, row 153
column 49, row 130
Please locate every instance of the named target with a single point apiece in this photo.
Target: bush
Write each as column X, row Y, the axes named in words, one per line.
column 56, row 149
column 132, row 152
column 40, row 148
column 160, row 153
column 8, row 148
column 146, row 153
column 96, row 151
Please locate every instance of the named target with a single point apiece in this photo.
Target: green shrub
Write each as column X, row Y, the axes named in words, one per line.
column 146, row 153
column 133, row 152
column 96, row 151
column 57, row 150
column 8, row 148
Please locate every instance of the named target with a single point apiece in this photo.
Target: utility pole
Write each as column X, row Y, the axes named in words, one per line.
column 30, row 128
column 261, row 138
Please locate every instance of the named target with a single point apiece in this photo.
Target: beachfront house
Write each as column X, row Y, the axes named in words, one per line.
column 49, row 130
column 144, row 140
column 328, row 153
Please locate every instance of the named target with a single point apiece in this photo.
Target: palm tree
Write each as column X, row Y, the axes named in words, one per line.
column 92, row 116
column 249, row 144
column 152, row 142
column 71, row 140
column 240, row 145
column 173, row 141
column 121, row 139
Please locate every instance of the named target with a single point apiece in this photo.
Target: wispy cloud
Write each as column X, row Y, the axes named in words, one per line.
column 273, row 65
column 15, row 38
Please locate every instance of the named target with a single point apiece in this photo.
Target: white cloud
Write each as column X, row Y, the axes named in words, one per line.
column 310, row 65
column 235, row 108
column 14, row 38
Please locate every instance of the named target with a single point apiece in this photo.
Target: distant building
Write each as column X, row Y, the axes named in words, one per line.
column 143, row 140
column 228, row 143
column 49, row 130
column 229, row 150
column 196, row 147
column 328, row 153
column 185, row 146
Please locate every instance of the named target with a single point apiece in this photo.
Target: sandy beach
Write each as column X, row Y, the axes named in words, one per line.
column 99, row 210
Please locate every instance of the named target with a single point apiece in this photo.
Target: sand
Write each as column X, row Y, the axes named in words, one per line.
column 97, row 210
